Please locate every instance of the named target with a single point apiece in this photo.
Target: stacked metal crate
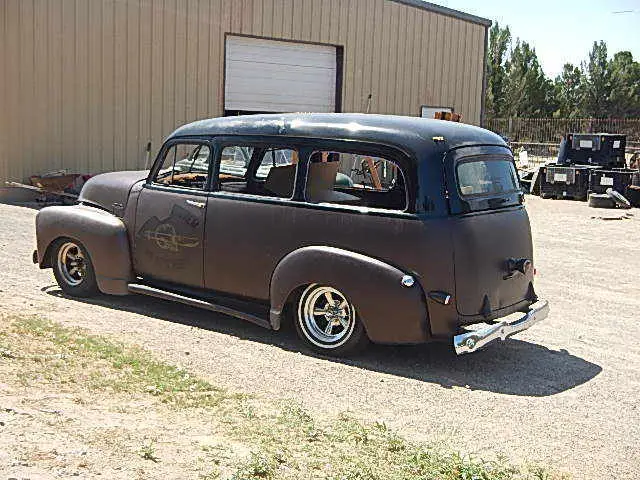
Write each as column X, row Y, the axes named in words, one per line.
column 618, row 179
column 587, row 163
column 570, row 182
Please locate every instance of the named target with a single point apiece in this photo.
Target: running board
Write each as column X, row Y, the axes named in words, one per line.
column 198, row 303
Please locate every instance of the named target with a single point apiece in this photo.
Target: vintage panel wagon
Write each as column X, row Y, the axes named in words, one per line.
column 356, row 228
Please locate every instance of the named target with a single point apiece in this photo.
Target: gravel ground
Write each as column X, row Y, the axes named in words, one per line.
column 565, row 393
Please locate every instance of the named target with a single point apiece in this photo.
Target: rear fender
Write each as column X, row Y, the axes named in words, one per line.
column 103, row 235
column 390, row 312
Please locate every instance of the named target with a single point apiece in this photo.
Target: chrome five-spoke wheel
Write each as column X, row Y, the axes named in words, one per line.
column 327, row 320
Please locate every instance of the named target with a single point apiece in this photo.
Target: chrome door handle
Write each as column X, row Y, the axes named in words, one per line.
column 193, row 203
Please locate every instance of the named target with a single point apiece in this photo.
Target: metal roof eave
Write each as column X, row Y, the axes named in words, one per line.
column 450, row 12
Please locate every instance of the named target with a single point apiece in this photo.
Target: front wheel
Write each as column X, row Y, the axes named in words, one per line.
column 73, row 269
column 328, row 322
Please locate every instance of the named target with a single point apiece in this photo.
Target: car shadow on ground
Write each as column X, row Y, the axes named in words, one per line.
column 513, row 367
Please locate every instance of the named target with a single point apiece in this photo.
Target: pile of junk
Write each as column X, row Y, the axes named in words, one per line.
column 590, row 167
column 54, row 187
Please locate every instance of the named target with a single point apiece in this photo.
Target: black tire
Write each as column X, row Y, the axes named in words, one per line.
column 346, row 335
column 601, row 200
column 76, row 278
column 633, row 195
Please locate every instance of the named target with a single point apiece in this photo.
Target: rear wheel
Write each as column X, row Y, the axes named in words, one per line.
column 73, row 269
column 328, row 322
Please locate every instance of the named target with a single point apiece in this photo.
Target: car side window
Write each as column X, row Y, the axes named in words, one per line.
column 185, row 165
column 258, row 171
column 275, row 158
column 234, row 162
column 362, row 180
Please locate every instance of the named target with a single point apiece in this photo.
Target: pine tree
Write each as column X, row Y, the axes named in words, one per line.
column 624, row 98
column 596, row 83
column 569, row 92
column 529, row 92
column 499, row 41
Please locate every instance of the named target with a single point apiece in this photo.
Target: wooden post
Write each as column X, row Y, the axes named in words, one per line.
column 374, row 173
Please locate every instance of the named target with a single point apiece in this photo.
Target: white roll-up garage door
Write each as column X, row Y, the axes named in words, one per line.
column 273, row 76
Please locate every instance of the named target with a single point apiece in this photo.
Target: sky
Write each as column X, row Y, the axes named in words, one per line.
column 562, row 31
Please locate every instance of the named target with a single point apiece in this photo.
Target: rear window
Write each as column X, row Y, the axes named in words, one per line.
column 487, row 177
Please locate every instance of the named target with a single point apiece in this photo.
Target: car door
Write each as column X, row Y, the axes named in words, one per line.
column 170, row 216
column 249, row 212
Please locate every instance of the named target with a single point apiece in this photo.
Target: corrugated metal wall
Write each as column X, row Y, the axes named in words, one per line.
column 87, row 83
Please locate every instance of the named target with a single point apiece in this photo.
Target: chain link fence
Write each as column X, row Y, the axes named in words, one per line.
column 535, row 141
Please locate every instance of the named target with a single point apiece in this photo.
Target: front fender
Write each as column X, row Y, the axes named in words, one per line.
column 390, row 312
column 103, row 235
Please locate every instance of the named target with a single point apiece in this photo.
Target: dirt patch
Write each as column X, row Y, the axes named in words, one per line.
column 83, row 405
column 564, row 393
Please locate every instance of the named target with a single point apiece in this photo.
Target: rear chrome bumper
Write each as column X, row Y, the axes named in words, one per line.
column 475, row 340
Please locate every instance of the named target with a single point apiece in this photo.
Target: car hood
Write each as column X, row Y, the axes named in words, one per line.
column 110, row 191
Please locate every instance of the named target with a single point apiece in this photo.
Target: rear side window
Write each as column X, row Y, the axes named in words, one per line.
column 361, row 180
column 487, row 177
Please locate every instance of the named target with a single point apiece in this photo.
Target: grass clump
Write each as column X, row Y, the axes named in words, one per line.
column 116, row 366
column 258, row 466
column 148, row 452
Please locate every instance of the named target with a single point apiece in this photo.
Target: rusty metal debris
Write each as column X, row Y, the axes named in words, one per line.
column 42, row 190
column 54, row 186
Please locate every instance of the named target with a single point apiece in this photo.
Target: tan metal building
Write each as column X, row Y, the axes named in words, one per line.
column 86, row 84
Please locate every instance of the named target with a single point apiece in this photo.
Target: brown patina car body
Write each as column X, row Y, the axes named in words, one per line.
column 420, row 233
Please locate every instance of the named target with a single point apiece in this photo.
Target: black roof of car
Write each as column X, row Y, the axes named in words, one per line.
column 412, row 133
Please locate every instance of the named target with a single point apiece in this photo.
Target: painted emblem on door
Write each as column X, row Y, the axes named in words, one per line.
column 166, row 238
column 169, row 241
